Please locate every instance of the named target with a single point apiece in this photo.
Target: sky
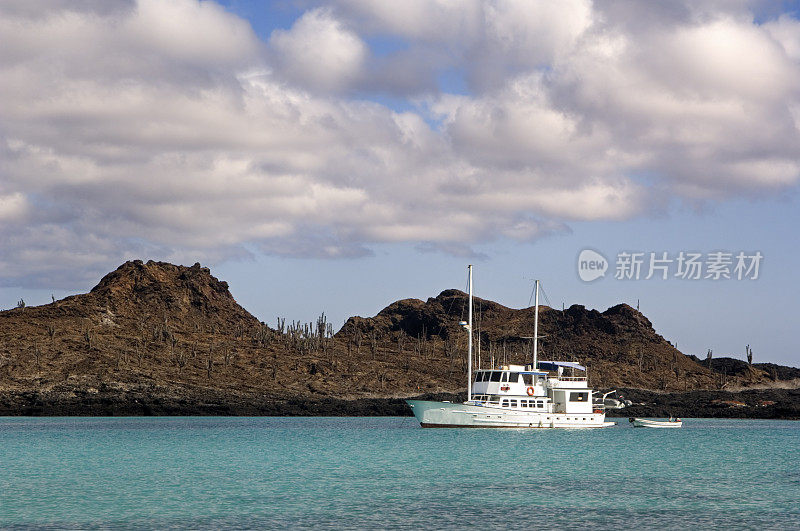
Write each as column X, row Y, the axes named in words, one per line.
column 339, row 156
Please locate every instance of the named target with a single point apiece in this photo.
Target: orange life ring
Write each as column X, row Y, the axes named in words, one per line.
column 531, row 391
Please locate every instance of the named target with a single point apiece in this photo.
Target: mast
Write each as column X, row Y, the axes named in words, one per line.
column 536, row 329
column 480, row 319
column 469, row 342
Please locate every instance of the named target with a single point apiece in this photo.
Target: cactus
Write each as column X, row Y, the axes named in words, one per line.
column 51, row 331
column 88, row 336
column 37, row 354
column 373, row 343
column 180, row 360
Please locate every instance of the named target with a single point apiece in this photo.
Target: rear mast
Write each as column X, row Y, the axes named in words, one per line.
column 469, row 342
column 536, row 329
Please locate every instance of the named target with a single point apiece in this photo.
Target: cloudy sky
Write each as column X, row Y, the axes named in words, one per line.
column 340, row 155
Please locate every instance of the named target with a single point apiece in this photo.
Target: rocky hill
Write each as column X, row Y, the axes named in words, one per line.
column 157, row 338
column 619, row 346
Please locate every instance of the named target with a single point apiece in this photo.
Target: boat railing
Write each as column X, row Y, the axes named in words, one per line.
column 572, row 378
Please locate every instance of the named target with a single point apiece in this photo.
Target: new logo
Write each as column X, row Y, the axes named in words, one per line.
column 591, row 265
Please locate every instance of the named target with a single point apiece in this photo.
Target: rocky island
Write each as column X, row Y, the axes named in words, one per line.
column 154, row 338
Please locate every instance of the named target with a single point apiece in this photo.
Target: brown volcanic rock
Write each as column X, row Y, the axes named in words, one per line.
column 142, row 323
column 619, row 345
column 162, row 338
column 175, row 332
column 177, row 292
column 414, row 318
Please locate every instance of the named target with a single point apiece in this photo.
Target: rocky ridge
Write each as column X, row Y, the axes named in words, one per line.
column 158, row 338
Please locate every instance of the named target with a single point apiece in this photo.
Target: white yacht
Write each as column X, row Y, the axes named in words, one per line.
column 545, row 394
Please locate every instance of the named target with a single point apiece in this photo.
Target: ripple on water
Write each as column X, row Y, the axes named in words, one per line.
column 208, row 473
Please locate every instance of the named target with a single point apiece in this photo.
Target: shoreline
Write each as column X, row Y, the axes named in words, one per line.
column 756, row 404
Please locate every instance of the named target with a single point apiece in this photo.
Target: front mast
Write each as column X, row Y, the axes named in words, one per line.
column 536, row 329
column 469, row 348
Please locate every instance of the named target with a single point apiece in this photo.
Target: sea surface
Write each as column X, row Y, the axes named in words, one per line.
column 321, row 473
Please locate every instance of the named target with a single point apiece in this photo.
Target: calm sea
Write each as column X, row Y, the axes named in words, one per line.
column 209, row 473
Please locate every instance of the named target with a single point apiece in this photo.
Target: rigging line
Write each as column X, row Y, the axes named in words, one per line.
column 449, row 309
column 546, row 298
column 549, row 304
column 464, row 302
column 541, row 288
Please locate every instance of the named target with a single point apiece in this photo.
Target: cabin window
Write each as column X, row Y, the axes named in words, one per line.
column 579, row 397
column 504, row 403
column 527, row 379
column 505, row 377
column 512, row 403
column 496, row 376
column 540, row 403
column 513, row 377
column 523, row 403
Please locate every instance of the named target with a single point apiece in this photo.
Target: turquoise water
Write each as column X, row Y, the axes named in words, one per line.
column 389, row 473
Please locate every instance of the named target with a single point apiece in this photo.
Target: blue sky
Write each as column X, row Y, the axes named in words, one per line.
column 338, row 156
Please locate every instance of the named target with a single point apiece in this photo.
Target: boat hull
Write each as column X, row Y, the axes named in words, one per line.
column 432, row 414
column 645, row 423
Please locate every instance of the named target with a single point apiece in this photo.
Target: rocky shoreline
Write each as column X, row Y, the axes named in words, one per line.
column 761, row 403
column 752, row 403
column 162, row 339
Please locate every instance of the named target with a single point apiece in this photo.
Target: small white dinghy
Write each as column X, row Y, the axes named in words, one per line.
column 647, row 423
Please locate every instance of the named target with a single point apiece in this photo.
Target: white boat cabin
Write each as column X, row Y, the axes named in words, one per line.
column 545, row 390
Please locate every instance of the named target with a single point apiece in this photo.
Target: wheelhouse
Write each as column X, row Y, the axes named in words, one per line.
column 555, row 386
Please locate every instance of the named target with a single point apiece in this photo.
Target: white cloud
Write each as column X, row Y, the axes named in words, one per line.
column 786, row 32
column 13, row 207
column 319, row 53
column 168, row 130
